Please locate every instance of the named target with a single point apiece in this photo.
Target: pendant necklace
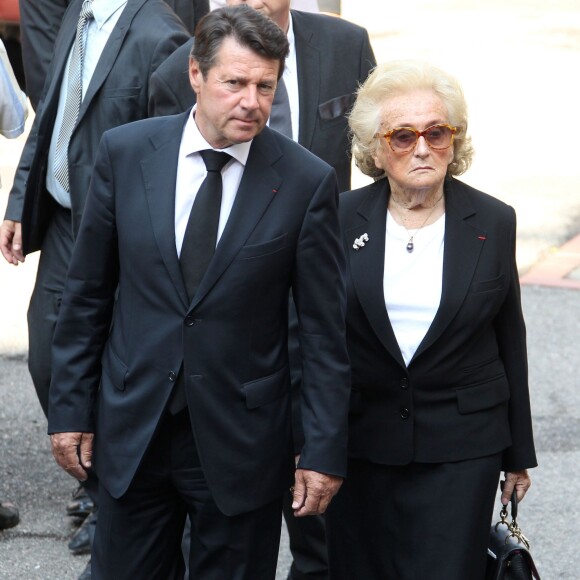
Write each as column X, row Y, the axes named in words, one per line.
column 410, row 243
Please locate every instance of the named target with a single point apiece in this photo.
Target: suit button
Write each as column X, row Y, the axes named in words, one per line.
column 404, row 383
column 190, row 321
column 405, row 413
column 172, row 376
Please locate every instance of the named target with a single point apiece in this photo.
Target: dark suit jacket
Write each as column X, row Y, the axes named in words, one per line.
column 145, row 34
column 465, row 392
column 230, row 340
column 190, row 11
column 39, row 25
column 333, row 57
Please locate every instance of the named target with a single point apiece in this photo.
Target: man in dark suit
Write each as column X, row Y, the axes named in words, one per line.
column 329, row 58
column 39, row 25
column 125, row 43
column 184, row 379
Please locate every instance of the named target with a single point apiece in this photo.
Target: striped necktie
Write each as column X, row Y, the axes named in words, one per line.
column 73, row 96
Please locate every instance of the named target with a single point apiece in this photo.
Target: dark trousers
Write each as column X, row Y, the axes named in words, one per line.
column 413, row 522
column 307, row 544
column 139, row 535
column 43, row 310
column 44, row 305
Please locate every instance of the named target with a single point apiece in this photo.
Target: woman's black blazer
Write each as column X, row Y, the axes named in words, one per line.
column 465, row 392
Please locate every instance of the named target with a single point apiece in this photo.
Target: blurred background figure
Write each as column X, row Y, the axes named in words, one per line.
column 13, row 113
column 437, row 342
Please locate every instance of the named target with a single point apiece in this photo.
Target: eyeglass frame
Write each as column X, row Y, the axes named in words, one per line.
column 387, row 136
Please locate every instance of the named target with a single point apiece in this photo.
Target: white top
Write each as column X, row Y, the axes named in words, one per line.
column 106, row 14
column 191, row 172
column 412, row 281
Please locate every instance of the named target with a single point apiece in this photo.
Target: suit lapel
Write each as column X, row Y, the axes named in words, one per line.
column 463, row 244
column 110, row 53
column 159, row 171
column 308, row 69
column 61, row 52
column 367, row 263
column 257, row 189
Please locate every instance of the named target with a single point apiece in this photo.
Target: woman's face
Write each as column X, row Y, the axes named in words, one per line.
column 421, row 170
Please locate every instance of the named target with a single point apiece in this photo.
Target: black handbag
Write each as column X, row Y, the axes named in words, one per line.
column 508, row 553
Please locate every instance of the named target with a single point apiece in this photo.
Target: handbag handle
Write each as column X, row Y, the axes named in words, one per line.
column 514, row 504
column 513, row 527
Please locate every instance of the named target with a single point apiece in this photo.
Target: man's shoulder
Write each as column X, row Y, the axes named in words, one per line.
column 177, row 61
column 156, row 129
column 326, row 24
column 155, row 15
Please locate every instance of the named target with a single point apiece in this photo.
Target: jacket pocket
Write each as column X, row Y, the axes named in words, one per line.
column 483, row 395
column 337, row 107
column 115, row 368
column 262, row 391
column 263, row 249
column 487, row 285
column 121, row 92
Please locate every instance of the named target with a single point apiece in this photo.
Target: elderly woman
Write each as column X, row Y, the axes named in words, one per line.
column 440, row 403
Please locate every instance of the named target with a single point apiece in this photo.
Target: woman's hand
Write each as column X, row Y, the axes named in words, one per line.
column 520, row 480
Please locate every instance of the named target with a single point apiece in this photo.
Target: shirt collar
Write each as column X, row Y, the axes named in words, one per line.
column 193, row 142
column 104, row 9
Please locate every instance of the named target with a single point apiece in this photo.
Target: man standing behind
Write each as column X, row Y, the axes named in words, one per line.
column 179, row 369
column 39, row 25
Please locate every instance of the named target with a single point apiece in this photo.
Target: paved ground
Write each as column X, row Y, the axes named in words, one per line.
column 517, row 60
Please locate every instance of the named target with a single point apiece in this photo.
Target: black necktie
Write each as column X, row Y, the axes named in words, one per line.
column 199, row 244
column 200, row 237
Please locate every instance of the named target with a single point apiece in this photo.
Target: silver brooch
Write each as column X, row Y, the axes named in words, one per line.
column 360, row 242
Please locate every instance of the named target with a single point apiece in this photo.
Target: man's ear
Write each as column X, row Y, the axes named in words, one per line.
column 195, row 75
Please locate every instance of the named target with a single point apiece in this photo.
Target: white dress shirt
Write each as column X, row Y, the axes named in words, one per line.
column 191, row 172
column 106, row 14
column 412, row 282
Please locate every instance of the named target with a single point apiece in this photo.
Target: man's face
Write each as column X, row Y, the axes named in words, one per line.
column 234, row 101
column 277, row 10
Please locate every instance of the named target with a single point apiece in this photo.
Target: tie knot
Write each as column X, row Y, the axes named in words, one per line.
column 214, row 160
column 87, row 10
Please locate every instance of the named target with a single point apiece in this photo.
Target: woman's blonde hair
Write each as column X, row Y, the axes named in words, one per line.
column 398, row 77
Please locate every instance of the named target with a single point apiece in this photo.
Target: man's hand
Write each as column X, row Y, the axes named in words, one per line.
column 73, row 452
column 520, row 480
column 11, row 241
column 313, row 492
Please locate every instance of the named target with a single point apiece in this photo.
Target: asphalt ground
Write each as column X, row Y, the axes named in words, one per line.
column 518, row 62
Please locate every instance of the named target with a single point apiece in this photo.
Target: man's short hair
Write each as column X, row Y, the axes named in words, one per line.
column 247, row 26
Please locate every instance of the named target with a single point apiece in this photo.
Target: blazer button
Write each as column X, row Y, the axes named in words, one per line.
column 189, row 321
column 172, row 376
column 404, row 383
column 405, row 413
